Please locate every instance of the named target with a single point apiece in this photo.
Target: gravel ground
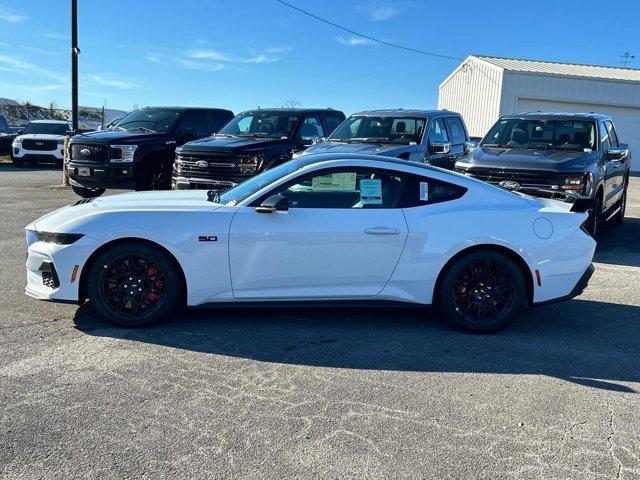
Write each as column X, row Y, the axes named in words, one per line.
column 321, row 393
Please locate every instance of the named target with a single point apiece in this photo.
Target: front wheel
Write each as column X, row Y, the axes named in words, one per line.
column 152, row 176
column 482, row 292
column 134, row 285
column 87, row 192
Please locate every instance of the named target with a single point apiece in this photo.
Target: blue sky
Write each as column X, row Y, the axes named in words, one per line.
column 241, row 55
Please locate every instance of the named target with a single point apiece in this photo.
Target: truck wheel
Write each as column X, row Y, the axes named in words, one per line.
column 618, row 218
column 134, row 285
column 18, row 163
column 482, row 292
column 152, row 176
column 594, row 218
column 87, row 192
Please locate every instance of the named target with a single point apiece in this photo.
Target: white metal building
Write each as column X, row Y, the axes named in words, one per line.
column 484, row 88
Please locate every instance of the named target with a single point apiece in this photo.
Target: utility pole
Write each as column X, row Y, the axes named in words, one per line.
column 75, row 51
column 627, row 58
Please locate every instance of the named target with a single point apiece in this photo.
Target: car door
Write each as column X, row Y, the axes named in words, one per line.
column 438, row 144
column 618, row 167
column 458, row 136
column 341, row 237
column 609, row 166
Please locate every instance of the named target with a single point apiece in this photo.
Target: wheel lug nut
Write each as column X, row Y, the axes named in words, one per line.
column 139, row 289
column 126, row 286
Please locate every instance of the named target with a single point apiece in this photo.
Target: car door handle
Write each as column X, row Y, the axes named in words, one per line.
column 382, row 231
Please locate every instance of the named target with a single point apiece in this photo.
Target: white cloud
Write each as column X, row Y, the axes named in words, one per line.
column 14, row 64
column 195, row 65
column 10, row 16
column 152, row 57
column 355, row 41
column 111, row 82
column 209, row 55
column 378, row 11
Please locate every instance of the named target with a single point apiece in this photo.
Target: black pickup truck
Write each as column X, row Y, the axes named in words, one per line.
column 138, row 151
column 556, row 155
column 252, row 142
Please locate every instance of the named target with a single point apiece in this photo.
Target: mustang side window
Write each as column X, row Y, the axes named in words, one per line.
column 346, row 188
column 419, row 191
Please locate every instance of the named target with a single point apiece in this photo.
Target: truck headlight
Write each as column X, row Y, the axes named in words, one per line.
column 575, row 183
column 124, row 153
column 249, row 164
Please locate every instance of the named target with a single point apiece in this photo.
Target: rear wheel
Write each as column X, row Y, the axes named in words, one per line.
column 87, row 192
column 134, row 285
column 618, row 218
column 482, row 292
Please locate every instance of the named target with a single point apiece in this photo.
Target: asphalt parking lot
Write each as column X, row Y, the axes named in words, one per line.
column 317, row 393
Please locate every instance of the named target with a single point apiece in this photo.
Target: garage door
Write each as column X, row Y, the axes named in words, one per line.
column 626, row 120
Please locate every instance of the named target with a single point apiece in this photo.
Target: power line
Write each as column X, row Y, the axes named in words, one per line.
column 389, row 44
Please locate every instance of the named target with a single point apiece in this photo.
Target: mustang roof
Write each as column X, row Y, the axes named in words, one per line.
column 312, row 158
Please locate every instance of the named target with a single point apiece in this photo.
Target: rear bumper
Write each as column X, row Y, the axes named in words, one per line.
column 578, row 288
column 101, row 175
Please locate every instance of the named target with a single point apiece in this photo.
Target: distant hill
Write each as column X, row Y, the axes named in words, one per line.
column 19, row 114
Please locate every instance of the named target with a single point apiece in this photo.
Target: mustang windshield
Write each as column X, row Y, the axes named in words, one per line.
column 264, row 124
column 249, row 187
column 149, row 119
column 387, row 130
column 47, row 128
column 542, row 134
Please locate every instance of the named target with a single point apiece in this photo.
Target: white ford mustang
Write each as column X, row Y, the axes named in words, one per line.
column 319, row 228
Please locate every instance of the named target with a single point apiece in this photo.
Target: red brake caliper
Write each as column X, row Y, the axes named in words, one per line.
column 151, row 296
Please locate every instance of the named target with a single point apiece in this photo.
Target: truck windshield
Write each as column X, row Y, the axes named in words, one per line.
column 542, row 134
column 262, row 125
column 149, row 119
column 365, row 129
column 46, row 128
column 249, row 187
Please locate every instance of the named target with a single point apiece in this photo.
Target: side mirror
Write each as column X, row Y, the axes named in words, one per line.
column 618, row 153
column 438, row 147
column 469, row 146
column 275, row 203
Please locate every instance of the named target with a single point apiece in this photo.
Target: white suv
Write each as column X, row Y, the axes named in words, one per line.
column 40, row 141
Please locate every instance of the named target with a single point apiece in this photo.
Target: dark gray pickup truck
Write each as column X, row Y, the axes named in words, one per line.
column 563, row 155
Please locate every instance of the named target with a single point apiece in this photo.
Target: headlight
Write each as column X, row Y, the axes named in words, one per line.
column 249, row 164
column 58, row 238
column 61, row 142
column 126, row 153
column 575, row 183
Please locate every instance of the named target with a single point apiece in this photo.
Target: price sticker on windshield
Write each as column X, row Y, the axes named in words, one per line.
column 371, row 191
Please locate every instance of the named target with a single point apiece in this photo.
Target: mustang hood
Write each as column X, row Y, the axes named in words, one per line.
column 212, row 144
column 63, row 219
column 368, row 148
column 501, row 158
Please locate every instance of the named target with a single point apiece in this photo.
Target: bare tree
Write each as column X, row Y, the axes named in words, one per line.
column 292, row 104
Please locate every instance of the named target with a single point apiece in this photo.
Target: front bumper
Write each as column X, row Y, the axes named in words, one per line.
column 50, row 269
column 101, row 175
column 180, row 182
column 20, row 153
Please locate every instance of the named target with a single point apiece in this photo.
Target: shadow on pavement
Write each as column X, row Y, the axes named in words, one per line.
column 588, row 343
column 9, row 167
column 619, row 244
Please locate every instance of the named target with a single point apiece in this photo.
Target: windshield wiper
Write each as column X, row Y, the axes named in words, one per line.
column 338, row 140
column 225, row 135
column 143, row 129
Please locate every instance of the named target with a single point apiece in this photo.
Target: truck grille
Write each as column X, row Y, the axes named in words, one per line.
column 89, row 153
column 524, row 178
column 219, row 167
column 41, row 145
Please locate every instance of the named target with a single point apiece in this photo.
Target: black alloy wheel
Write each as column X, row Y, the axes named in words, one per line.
column 153, row 176
column 134, row 285
column 483, row 291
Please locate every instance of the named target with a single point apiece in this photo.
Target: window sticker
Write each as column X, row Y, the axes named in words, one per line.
column 335, row 181
column 424, row 191
column 371, row 191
